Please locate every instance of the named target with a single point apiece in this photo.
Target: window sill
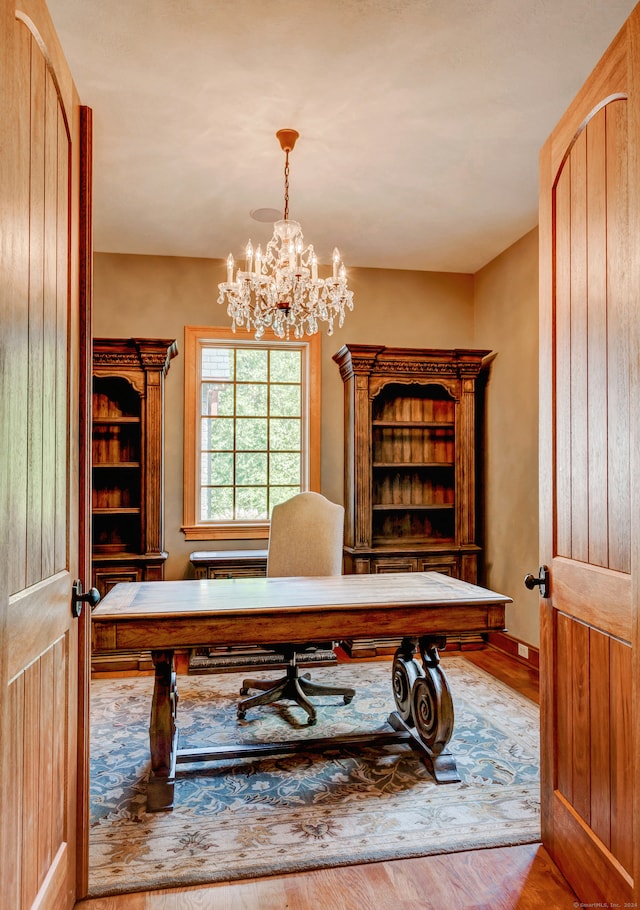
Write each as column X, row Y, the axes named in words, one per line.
column 231, row 530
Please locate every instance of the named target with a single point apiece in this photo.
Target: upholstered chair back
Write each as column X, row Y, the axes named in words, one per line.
column 306, row 537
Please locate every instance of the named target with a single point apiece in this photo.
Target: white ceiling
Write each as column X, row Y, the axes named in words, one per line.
column 420, row 120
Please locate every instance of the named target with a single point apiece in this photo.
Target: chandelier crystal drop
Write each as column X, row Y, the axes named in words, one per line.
column 279, row 289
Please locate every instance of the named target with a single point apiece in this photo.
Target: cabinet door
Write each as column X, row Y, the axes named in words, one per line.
column 105, row 579
column 233, row 572
column 393, row 564
column 446, row 565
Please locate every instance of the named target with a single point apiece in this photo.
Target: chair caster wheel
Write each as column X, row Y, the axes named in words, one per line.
column 348, row 699
column 241, row 715
column 311, row 722
column 244, row 691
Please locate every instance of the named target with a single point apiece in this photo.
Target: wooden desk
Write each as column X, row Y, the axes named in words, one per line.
column 421, row 607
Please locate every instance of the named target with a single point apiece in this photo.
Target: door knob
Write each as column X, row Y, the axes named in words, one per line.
column 91, row 597
column 542, row 580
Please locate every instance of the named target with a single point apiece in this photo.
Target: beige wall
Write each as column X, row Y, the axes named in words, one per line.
column 506, row 320
column 158, row 296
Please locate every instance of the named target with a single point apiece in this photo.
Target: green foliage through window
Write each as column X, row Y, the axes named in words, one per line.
column 251, row 430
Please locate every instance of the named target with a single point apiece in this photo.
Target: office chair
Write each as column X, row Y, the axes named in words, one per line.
column 306, row 538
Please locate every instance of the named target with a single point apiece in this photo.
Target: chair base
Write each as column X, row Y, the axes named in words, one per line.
column 292, row 687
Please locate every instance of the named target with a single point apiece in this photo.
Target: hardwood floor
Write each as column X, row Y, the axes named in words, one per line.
column 512, row 672
column 495, row 879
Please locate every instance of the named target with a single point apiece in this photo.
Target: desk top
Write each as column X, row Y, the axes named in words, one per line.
column 249, row 596
column 175, row 614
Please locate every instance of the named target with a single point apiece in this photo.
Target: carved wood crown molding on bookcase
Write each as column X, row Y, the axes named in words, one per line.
column 365, row 359
column 399, row 366
column 154, row 355
column 108, row 358
column 144, row 360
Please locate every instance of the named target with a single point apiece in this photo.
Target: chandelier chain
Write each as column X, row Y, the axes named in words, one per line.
column 286, row 186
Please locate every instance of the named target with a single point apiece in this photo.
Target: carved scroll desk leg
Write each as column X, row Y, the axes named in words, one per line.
column 424, row 702
column 162, row 734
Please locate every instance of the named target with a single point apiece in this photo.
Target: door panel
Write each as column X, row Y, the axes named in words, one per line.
column 595, row 595
column 591, row 335
column 618, row 339
column 40, row 446
column 589, row 623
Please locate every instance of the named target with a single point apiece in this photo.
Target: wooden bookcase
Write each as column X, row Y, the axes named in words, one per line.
column 127, row 460
column 411, row 448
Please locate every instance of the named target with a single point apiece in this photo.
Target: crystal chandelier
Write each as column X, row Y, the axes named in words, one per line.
column 280, row 288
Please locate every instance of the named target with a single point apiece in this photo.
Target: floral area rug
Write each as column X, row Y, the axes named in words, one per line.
column 245, row 818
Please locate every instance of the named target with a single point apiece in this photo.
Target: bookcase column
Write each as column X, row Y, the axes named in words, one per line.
column 154, row 357
column 466, row 463
column 363, row 456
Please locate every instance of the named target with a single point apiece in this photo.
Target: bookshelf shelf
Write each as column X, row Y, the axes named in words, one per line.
column 114, row 421
column 116, row 511
column 413, row 424
column 411, row 507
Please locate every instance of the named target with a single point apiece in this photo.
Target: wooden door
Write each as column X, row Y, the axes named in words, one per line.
column 590, row 483
column 40, row 457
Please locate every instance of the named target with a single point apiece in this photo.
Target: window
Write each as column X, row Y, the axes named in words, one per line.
column 252, row 424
